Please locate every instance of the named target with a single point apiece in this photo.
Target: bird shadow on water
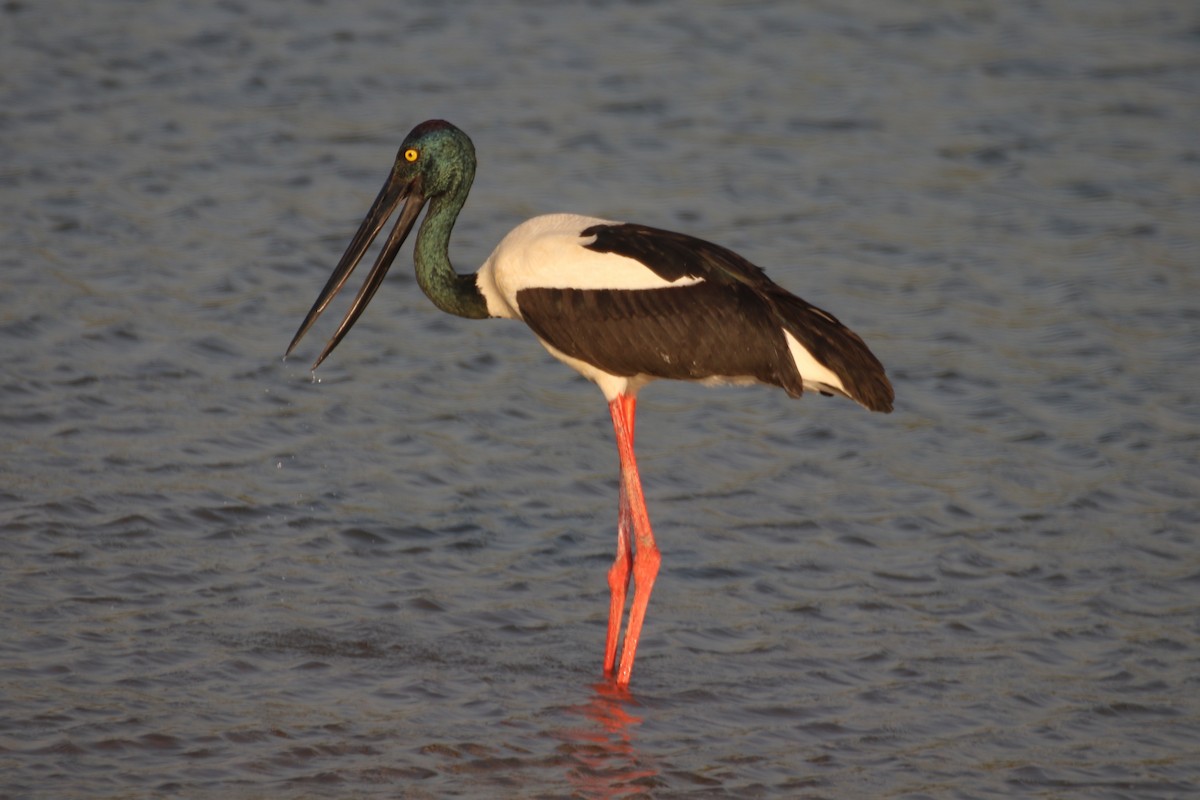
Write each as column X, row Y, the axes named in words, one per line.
column 602, row 758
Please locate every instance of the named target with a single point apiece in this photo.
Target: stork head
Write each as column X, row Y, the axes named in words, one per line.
column 435, row 161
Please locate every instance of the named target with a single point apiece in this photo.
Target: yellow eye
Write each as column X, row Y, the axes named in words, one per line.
column 411, row 154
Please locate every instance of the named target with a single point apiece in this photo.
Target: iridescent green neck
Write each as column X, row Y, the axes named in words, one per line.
column 453, row 293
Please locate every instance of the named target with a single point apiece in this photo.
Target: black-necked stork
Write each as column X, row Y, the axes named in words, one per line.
column 622, row 304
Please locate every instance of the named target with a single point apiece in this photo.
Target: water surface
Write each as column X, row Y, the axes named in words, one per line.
column 222, row 579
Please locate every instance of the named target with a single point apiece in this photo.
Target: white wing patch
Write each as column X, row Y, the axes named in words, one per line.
column 815, row 375
column 548, row 252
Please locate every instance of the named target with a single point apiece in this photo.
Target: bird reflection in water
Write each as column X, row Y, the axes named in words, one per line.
column 603, row 759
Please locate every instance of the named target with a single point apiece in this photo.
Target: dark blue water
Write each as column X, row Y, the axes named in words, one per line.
column 222, row 579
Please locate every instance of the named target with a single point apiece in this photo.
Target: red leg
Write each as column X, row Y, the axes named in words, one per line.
column 619, row 573
column 618, row 583
column 645, row 557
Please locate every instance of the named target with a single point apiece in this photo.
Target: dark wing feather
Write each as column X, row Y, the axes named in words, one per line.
column 728, row 325
column 837, row 347
column 683, row 333
column 672, row 255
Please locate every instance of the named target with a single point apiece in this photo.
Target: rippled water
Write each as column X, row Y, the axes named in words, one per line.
column 221, row 579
